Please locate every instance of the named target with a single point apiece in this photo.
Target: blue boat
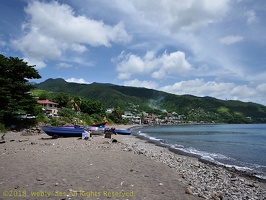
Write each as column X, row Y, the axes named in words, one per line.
column 76, row 131
column 122, row 132
column 67, row 131
column 70, row 131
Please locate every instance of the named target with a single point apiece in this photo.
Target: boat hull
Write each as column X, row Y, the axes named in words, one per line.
column 122, row 132
column 63, row 131
column 76, row 131
column 102, row 124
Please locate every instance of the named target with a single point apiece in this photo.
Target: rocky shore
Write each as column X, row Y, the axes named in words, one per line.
column 204, row 180
column 101, row 168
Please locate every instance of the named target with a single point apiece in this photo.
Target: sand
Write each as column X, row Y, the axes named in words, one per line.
column 38, row 167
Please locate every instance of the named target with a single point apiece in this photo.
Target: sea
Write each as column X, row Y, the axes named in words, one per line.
column 238, row 146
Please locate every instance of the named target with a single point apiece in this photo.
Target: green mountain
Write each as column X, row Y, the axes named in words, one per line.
column 152, row 101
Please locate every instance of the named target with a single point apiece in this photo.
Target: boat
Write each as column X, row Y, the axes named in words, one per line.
column 70, row 131
column 118, row 131
column 67, row 131
column 101, row 124
column 95, row 130
column 122, row 132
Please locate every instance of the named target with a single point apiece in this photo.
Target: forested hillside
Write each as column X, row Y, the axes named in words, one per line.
column 141, row 99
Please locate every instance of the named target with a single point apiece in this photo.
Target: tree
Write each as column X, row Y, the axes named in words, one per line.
column 15, row 89
column 93, row 107
column 62, row 99
column 44, row 95
column 76, row 102
column 116, row 115
column 67, row 112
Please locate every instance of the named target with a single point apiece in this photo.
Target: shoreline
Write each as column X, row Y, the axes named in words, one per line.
column 244, row 180
column 180, row 152
column 237, row 169
column 232, row 178
column 131, row 164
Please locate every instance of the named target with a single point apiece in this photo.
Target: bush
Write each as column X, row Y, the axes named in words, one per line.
column 2, row 128
column 67, row 112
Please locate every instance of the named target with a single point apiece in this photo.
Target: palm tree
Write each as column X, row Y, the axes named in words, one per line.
column 76, row 102
column 117, row 112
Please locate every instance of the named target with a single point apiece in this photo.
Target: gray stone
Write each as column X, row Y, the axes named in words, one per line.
column 188, row 191
column 39, row 179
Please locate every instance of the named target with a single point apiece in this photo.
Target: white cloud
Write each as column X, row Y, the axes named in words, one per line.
column 173, row 16
column 2, row 43
column 242, row 92
column 157, row 67
column 262, row 88
column 54, row 28
column 3, row 46
column 132, row 64
column 77, row 80
column 199, row 87
column 39, row 64
column 138, row 83
column 78, row 48
column 174, row 63
column 193, row 27
column 231, row 39
column 220, row 90
column 251, row 17
column 37, row 45
column 64, row 65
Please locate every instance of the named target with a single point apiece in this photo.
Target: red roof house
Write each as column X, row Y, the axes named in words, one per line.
column 48, row 106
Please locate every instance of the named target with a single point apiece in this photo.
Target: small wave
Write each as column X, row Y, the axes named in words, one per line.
column 149, row 137
column 239, row 168
column 215, row 158
column 176, row 146
column 212, row 160
column 261, row 176
column 202, row 154
column 222, row 160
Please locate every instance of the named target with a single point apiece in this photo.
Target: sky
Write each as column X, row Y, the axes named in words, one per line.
column 196, row 47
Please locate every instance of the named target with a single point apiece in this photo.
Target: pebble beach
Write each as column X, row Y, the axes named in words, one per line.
column 123, row 167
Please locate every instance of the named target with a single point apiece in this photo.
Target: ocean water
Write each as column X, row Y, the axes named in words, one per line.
column 242, row 146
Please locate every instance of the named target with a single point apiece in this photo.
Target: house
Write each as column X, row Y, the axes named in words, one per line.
column 109, row 110
column 48, row 107
column 150, row 119
column 128, row 113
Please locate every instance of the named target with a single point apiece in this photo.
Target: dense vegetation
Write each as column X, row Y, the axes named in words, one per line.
column 74, row 109
column 19, row 108
column 15, row 89
column 137, row 100
column 87, row 103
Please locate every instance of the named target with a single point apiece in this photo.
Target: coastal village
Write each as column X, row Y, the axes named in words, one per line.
column 132, row 100
column 118, row 168
column 114, row 166
column 51, row 109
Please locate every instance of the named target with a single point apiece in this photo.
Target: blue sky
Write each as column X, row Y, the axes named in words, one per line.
column 197, row 47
